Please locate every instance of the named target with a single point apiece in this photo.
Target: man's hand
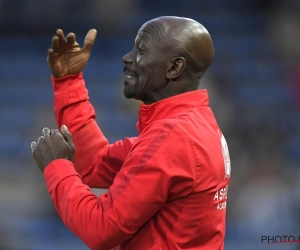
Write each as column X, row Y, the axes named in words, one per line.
column 65, row 57
column 53, row 145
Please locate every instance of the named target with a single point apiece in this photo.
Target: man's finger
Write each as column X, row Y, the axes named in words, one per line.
column 40, row 139
column 54, row 131
column 33, row 146
column 71, row 38
column 46, row 132
column 90, row 39
column 55, row 44
column 61, row 37
column 52, row 57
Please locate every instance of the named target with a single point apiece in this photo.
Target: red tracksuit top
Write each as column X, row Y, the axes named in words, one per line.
column 167, row 188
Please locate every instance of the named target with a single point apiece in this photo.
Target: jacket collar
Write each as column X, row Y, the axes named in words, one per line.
column 170, row 107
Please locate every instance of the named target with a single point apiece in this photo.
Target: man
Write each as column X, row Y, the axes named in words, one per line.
column 167, row 188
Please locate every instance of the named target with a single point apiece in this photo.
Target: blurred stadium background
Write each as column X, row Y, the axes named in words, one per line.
column 254, row 86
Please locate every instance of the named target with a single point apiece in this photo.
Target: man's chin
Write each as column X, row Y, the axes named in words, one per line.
column 128, row 97
column 128, row 93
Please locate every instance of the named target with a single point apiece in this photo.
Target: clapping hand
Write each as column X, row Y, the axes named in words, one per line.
column 53, row 145
column 66, row 57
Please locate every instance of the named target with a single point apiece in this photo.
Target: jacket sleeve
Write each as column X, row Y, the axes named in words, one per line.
column 149, row 177
column 96, row 160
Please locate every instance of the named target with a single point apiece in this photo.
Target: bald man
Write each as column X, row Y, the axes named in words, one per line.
column 167, row 188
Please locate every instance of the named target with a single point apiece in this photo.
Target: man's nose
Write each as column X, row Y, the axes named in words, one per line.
column 127, row 58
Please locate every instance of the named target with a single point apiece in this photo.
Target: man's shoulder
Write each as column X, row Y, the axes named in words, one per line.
column 166, row 125
column 160, row 130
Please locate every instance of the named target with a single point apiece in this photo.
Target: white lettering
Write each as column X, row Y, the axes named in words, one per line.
column 226, row 157
column 221, row 205
column 221, row 194
column 216, row 196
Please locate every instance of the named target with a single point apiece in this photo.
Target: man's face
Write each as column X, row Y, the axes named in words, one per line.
column 145, row 66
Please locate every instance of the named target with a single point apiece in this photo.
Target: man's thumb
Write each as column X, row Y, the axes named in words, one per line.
column 67, row 135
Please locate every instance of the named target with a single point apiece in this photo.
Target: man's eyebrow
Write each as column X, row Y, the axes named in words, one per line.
column 141, row 38
column 142, row 35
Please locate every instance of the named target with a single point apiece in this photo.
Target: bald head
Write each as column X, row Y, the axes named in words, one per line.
column 169, row 57
column 185, row 37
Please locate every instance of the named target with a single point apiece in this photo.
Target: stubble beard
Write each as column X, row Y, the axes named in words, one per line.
column 130, row 90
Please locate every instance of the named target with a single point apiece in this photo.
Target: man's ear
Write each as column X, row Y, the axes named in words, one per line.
column 176, row 67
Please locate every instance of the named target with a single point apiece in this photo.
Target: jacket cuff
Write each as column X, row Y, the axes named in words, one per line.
column 68, row 83
column 57, row 171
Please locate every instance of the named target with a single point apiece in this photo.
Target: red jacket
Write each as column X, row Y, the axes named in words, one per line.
column 167, row 187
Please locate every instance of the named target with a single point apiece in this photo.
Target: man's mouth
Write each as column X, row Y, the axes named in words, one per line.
column 129, row 73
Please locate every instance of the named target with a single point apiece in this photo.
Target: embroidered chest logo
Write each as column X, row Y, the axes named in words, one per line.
column 226, row 157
